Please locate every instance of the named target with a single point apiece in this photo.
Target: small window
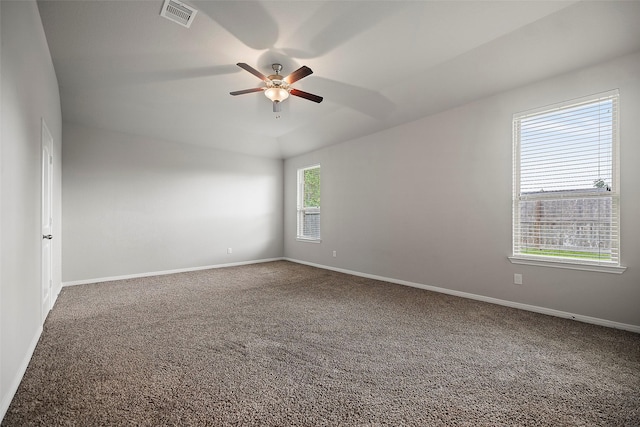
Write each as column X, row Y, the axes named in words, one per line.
column 566, row 182
column 309, row 203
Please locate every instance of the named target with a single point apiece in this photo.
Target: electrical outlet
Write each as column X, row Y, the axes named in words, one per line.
column 229, row 250
column 517, row 279
column 334, row 254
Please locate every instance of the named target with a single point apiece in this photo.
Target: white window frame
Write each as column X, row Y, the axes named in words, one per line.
column 302, row 210
column 521, row 257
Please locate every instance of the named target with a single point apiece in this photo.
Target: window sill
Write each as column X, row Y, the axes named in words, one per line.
column 302, row 239
column 567, row 264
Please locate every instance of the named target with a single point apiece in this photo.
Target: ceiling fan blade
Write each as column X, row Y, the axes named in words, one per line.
column 298, row 74
column 306, row 95
column 252, row 70
column 242, row 92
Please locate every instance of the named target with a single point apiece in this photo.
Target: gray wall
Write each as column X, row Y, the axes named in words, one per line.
column 429, row 202
column 136, row 205
column 29, row 93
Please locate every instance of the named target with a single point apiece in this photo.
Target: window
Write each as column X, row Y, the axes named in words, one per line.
column 566, row 182
column 309, row 203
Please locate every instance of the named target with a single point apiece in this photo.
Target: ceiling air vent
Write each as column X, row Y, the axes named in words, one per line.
column 179, row 12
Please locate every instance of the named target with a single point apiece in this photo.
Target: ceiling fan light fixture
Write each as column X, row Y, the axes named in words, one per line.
column 276, row 94
column 278, row 88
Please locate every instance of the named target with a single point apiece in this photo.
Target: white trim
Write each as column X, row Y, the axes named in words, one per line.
column 17, row 379
column 521, row 306
column 56, row 294
column 165, row 272
column 568, row 265
column 300, row 208
column 544, row 163
column 313, row 166
column 46, row 141
column 308, row 240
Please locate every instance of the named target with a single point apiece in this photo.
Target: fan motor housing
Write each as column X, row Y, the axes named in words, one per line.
column 276, row 79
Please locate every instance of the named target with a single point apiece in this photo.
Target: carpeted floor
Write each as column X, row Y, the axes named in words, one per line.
column 280, row 344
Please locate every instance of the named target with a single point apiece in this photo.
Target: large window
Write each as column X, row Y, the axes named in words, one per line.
column 566, row 182
column 309, row 203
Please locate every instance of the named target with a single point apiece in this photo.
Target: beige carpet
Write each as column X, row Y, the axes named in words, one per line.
column 281, row 344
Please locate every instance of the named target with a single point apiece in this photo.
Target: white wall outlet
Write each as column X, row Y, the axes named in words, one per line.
column 517, row 279
column 229, row 250
column 334, row 254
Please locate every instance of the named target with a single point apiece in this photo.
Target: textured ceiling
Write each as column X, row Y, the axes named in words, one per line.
column 123, row 67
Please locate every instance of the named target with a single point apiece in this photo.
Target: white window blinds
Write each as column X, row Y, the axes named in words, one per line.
column 309, row 203
column 566, row 181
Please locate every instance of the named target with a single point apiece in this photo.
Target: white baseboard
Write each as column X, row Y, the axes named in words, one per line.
column 165, row 272
column 527, row 307
column 15, row 381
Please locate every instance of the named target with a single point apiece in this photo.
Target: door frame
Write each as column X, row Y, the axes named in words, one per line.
column 46, row 262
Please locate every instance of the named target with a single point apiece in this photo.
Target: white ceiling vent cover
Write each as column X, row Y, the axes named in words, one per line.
column 179, row 12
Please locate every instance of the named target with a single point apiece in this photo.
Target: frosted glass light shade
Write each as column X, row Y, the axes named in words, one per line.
column 276, row 94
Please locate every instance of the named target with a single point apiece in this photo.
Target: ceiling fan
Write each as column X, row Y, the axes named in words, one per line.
column 277, row 87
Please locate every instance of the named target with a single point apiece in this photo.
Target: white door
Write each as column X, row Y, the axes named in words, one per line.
column 47, row 220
